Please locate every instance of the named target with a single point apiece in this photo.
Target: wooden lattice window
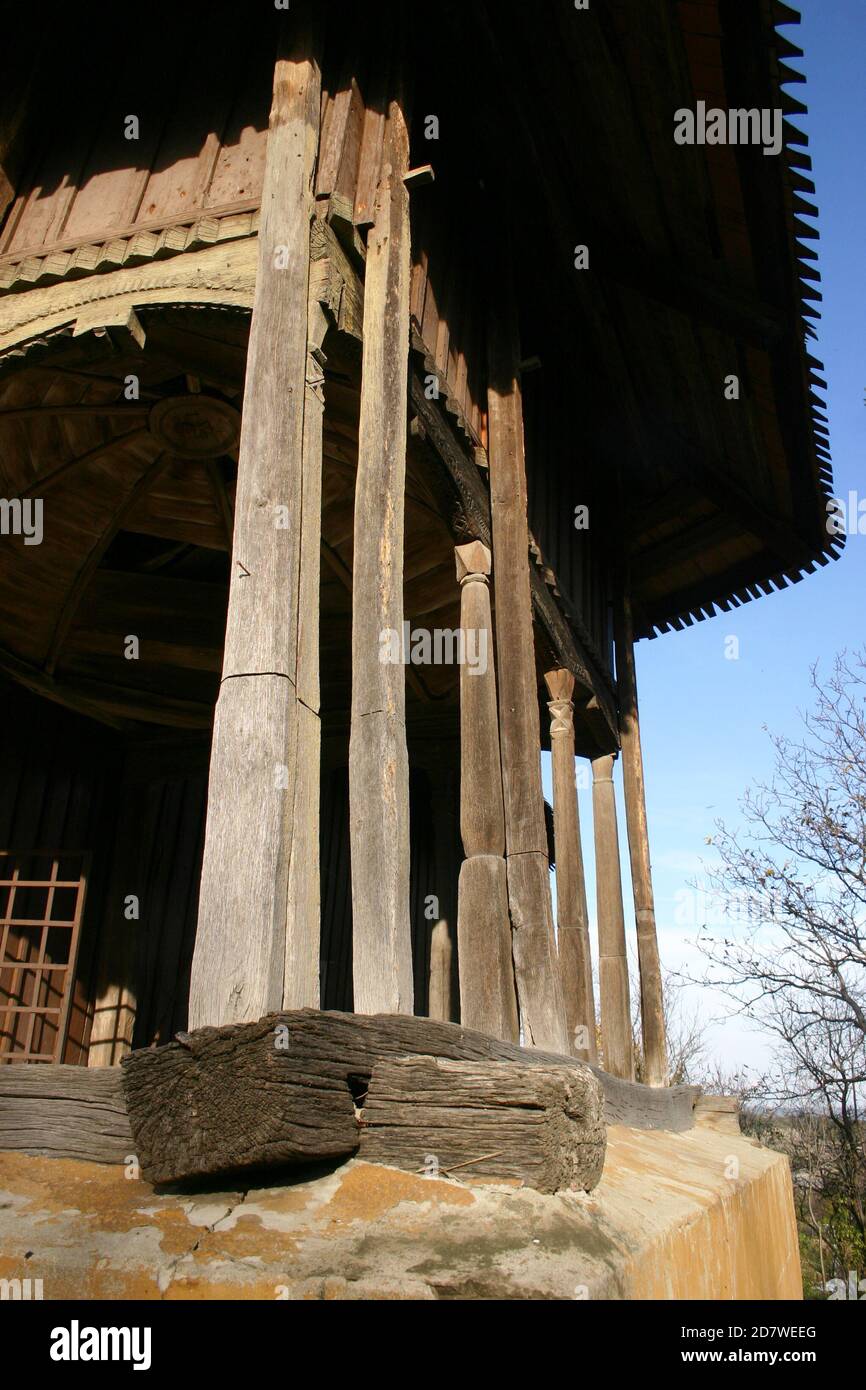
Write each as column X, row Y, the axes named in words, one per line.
column 41, row 905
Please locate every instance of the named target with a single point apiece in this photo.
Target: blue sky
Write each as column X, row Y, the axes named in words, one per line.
column 702, row 715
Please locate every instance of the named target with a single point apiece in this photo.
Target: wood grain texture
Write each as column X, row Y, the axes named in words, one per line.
column 439, row 989
column 541, row 1124
column 65, row 1112
column 378, row 759
column 655, row 1064
column 240, row 953
column 719, row 1112
column 303, row 914
column 487, row 995
column 614, row 1001
column 575, row 958
column 541, row 1007
column 221, row 1099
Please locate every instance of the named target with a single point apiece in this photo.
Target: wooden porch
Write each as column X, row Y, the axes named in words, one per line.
column 287, row 388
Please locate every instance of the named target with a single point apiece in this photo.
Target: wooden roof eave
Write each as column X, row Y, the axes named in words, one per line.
column 731, row 588
column 796, row 545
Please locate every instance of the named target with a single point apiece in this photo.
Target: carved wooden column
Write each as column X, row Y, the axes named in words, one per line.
column 655, row 1065
column 614, row 1000
column 575, row 956
column 240, row 952
column 378, row 759
column 533, row 941
column 487, row 997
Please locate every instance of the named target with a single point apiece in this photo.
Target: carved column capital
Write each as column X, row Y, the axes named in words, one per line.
column 561, row 717
column 560, row 685
column 602, row 768
column 474, row 562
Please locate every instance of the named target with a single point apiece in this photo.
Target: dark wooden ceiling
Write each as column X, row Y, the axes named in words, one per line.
column 136, row 540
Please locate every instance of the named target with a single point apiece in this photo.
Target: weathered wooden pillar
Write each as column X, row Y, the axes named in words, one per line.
column 487, row 998
column 378, row 759
column 303, row 917
column 442, row 993
column 439, row 1000
column 254, row 810
column 655, row 1067
column 533, row 941
column 575, row 956
column 614, row 1000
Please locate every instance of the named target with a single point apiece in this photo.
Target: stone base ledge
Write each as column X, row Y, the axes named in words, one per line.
column 700, row 1215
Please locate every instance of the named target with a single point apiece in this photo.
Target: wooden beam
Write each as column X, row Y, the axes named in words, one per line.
column 41, row 484
column 94, row 556
column 534, row 945
column 378, row 758
column 303, row 915
column 278, row 1091
column 542, row 1125
column 655, row 1068
column 487, row 998
column 572, row 917
column 616, row 1035
column 65, row 1112
column 238, row 969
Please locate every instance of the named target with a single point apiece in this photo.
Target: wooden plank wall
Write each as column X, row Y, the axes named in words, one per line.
column 59, row 787
column 561, row 476
column 200, row 152
column 168, row 789
column 446, row 309
column 68, row 783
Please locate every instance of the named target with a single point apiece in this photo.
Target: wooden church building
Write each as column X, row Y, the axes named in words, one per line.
column 372, row 377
